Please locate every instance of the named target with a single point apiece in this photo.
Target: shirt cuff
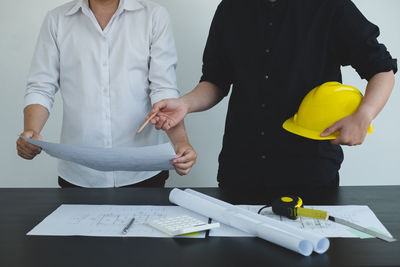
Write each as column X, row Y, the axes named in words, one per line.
column 222, row 85
column 37, row 98
column 162, row 94
column 382, row 66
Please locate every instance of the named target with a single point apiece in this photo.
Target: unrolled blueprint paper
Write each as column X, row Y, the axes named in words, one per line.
column 320, row 243
column 235, row 218
column 361, row 215
column 109, row 221
column 148, row 158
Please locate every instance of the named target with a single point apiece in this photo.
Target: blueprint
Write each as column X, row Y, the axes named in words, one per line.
column 147, row 158
column 109, row 221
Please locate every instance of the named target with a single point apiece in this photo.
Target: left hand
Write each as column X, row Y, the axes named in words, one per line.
column 353, row 129
column 186, row 158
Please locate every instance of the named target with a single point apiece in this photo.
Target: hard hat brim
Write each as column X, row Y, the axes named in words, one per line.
column 291, row 126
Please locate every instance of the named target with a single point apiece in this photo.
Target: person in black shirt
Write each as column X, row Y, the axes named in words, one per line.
column 273, row 53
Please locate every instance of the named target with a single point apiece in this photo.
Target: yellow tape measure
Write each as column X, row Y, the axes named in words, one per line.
column 292, row 207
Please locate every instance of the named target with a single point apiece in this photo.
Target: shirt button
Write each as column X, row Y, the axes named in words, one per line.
column 266, row 77
column 263, row 157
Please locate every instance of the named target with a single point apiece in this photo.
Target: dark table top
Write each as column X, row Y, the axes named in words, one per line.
column 22, row 209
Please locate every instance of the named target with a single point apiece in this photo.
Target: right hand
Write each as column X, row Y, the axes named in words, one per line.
column 25, row 149
column 170, row 112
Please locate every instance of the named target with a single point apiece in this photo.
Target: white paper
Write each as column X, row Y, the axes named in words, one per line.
column 148, row 158
column 361, row 215
column 109, row 221
column 228, row 214
column 319, row 242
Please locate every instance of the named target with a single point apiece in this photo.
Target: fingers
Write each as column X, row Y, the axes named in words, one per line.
column 169, row 113
column 182, row 172
column 28, row 146
column 159, row 106
column 153, row 120
column 184, row 163
column 348, row 140
column 25, row 149
column 350, row 131
column 184, row 166
column 156, row 108
column 188, row 155
column 27, row 153
column 166, row 126
column 335, row 128
column 349, row 136
column 330, row 130
column 337, row 141
column 160, row 122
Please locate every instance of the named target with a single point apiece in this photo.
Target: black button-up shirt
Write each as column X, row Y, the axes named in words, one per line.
column 273, row 54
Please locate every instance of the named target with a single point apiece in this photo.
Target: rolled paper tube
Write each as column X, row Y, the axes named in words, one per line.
column 320, row 243
column 242, row 222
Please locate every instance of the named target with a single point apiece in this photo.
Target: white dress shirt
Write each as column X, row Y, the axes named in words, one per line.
column 108, row 79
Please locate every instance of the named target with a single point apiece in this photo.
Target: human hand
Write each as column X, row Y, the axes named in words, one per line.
column 186, row 158
column 25, row 149
column 352, row 129
column 169, row 113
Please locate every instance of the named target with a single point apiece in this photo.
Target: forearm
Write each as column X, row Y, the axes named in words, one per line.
column 203, row 97
column 178, row 135
column 35, row 117
column 377, row 93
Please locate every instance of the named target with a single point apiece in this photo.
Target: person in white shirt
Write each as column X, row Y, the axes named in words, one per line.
column 111, row 60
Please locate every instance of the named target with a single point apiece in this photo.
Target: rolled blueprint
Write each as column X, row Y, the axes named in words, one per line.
column 231, row 217
column 320, row 243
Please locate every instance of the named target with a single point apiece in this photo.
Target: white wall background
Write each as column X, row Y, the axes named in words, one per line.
column 376, row 162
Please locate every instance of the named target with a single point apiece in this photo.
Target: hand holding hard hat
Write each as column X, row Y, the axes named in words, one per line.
column 330, row 109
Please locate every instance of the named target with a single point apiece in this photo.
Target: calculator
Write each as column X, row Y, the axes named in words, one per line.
column 179, row 225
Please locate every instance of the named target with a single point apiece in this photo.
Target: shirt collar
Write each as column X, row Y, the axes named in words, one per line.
column 129, row 5
column 75, row 8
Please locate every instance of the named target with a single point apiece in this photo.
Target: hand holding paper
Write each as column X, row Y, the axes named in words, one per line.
column 25, row 149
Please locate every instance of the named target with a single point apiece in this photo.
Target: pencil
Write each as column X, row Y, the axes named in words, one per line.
column 126, row 229
column 146, row 122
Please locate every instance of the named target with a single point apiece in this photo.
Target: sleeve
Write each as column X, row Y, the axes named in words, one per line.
column 163, row 59
column 356, row 43
column 43, row 79
column 216, row 66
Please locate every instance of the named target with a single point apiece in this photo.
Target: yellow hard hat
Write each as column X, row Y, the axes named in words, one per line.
column 323, row 106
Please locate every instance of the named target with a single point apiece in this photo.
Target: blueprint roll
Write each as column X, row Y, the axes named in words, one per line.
column 320, row 243
column 231, row 217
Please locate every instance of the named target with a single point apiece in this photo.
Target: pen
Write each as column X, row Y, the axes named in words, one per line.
column 146, row 122
column 125, row 231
